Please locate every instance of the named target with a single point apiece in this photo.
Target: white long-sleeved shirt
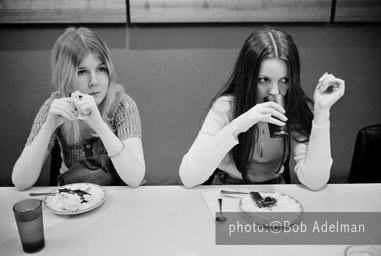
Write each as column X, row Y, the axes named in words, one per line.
column 211, row 150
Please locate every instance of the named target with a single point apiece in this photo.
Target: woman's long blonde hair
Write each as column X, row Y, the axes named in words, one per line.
column 67, row 54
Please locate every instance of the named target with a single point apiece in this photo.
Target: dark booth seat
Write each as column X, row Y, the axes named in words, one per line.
column 366, row 161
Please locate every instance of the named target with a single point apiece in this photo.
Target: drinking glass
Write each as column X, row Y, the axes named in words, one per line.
column 275, row 130
column 28, row 215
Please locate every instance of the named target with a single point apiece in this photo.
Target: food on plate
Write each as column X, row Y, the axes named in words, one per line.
column 267, row 207
column 270, row 202
column 262, row 202
column 73, row 202
column 78, row 192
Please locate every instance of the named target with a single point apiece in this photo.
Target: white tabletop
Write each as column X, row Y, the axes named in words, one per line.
column 172, row 220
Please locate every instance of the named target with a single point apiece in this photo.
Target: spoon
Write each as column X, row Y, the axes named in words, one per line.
column 220, row 218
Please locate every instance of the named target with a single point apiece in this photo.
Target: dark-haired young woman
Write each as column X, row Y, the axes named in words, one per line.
column 234, row 142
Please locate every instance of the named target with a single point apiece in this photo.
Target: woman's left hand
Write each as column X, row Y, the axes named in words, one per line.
column 87, row 106
column 328, row 90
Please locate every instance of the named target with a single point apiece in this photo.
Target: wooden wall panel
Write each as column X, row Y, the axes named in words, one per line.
column 63, row 11
column 177, row 11
column 358, row 11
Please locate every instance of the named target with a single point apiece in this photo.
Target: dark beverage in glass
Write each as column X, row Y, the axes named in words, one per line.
column 28, row 215
column 275, row 130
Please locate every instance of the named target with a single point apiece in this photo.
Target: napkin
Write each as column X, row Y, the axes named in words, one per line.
column 229, row 203
column 82, row 115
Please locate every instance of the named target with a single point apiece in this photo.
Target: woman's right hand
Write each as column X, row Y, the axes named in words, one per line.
column 61, row 109
column 262, row 112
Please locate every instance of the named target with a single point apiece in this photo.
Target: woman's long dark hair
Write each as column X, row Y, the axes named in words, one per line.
column 242, row 85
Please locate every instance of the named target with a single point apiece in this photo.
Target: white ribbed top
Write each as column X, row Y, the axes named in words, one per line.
column 211, row 150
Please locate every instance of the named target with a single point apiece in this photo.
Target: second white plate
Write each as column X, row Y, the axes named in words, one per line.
column 278, row 216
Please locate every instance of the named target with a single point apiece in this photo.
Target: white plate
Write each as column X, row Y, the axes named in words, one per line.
column 280, row 218
column 98, row 196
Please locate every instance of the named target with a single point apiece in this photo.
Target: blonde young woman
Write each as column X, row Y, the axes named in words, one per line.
column 96, row 124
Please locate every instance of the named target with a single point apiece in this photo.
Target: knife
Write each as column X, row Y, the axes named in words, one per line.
column 44, row 194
